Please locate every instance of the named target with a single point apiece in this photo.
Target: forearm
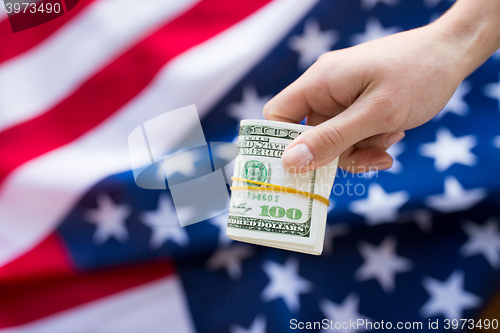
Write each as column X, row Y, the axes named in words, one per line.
column 472, row 28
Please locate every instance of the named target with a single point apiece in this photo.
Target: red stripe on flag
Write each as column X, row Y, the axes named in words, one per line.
column 14, row 44
column 26, row 300
column 46, row 260
column 63, row 3
column 119, row 82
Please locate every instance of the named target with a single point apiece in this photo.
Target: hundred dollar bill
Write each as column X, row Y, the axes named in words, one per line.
column 276, row 217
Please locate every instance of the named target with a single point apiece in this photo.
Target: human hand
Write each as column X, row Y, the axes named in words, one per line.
column 363, row 98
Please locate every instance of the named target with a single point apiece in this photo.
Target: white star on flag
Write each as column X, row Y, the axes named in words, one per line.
column 312, row 43
column 455, row 198
column 492, row 90
column 331, row 232
column 164, row 224
column 370, row 4
column 183, row 163
column 230, row 258
column 344, row 313
column 226, row 151
column 483, row 239
column 374, row 30
column 395, row 150
column 496, row 141
column 379, row 207
column 109, row 219
column 448, row 150
column 457, row 104
column 220, row 221
column 449, row 297
column 382, row 263
column 285, row 282
column 251, row 105
column 257, row 326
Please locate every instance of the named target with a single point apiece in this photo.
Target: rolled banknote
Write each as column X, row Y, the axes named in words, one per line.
column 269, row 205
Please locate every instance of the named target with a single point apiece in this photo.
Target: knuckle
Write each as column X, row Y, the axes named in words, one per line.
column 325, row 63
column 327, row 138
column 384, row 107
column 324, row 58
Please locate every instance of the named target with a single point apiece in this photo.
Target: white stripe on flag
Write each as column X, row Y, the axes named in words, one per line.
column 158, row 306
column 51, row 184
column 3, row 13
column 40, row 78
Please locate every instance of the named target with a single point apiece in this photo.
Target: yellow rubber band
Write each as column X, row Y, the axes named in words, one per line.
column 273, row 187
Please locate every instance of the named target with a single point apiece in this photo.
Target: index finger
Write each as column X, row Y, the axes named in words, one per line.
column 309, row 94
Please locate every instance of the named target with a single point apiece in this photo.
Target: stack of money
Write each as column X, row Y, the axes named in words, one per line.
column 269, row 205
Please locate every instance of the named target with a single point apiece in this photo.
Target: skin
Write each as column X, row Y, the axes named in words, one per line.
column 363, row 98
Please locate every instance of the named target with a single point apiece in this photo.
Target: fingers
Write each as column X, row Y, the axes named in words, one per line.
column 364, row 111
column 308, row 95
column 320, row 145
column 381, row 141
column 369, row 154
column 314, row 119
column 364, row 160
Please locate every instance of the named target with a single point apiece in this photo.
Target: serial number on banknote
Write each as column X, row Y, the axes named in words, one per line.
column 255, row 196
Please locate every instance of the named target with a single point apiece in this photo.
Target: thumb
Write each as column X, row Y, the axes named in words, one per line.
column 320, row 145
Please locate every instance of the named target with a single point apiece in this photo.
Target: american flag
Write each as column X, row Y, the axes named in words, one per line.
column 83, row 249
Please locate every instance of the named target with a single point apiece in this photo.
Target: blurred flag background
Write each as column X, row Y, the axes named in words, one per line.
column 84, row 249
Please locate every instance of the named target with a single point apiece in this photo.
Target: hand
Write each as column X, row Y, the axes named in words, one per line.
column 363, row 98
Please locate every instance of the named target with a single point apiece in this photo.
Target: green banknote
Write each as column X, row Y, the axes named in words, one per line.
column 276, row 217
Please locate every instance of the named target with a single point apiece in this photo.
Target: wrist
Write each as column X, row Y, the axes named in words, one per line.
column 471, row 29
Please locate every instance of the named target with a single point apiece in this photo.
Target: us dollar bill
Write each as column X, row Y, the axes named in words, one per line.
column 276, row 218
